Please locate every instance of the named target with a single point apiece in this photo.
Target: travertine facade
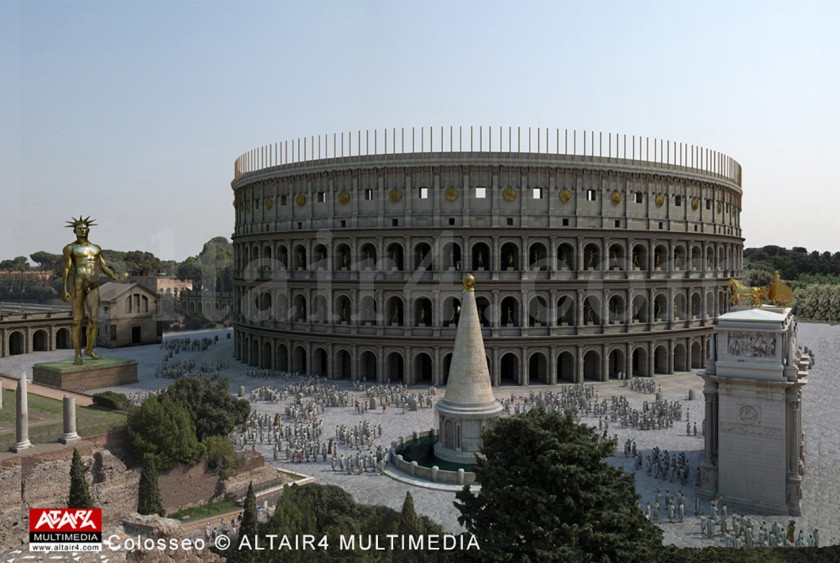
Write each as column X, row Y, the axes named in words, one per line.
column 753, row 387
column 349, row 264
column 31, row 327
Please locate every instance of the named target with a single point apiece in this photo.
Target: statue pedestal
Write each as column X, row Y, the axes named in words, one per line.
column 93, row 374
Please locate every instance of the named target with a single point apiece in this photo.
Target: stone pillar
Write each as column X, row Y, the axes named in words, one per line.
column 708, row 468
column 22, row 419
column 70, row 434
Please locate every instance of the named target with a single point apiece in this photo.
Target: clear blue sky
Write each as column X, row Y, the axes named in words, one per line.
column 133, row 112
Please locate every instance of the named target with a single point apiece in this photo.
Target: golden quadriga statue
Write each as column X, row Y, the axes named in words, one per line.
column 83, row 266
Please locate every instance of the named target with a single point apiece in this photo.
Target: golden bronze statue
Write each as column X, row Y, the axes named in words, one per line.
column 740, row 294
column 779, row 293
column 85, row 262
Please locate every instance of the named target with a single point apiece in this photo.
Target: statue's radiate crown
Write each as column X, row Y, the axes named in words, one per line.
column 73, row 223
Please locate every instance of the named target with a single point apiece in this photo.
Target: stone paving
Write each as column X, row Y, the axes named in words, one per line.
column 822, row 447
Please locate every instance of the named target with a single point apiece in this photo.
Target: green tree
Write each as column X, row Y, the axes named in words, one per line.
column 248, row 527
column 18, row 263
column 80, row 496
column 148, row 493
column 409, row 523
column 162, row 428
column 220, row 455
column 546, row 495
column 46, row 260
column 214, row 411
column 141, row 263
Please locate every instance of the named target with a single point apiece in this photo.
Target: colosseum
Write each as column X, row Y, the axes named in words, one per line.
column 594, row 253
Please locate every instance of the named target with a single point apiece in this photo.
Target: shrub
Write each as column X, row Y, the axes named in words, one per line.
column 220, row 456
column 111, row 400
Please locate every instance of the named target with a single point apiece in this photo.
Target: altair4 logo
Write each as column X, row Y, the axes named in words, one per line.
column 65, row 519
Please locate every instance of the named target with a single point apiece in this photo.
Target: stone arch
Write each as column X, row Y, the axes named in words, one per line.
column 263, row 303
column 255, row 353
column 509, row 373
column 266, row 256
column 615, row 363
column 592, row 310
column 299, row 309
column 300, row 360
column 367, row 256
column 660, row 257
column 343, row 365
column 451, row 311
column 538, row 369
column 342, row 259
column 565, row 257
column 283, row 256
column 510, row 311
column 320, row 312
column 281, row 357
column 592, row 256
column 660, row 307
column 343, row 309
column 566, row 310
column 368, row 311
column 710, row 304
column 451, row 258
column 616, row 309
column 616, row 257
column 481, row 257
column 422, row 369
column 300, row 257
column 395, row 310
column 640, row 308
column 62, row 339
column 265, row 357
column 710, row 258
column 423, row 312
column 395, row 368
column 319, row 362
column 639, row 362
column 639, row 260
column 40, row 341
column 566, row 367
column 423, row 256
column 395, row 256
column 320, row 257
column 680, row 308
column 680, row 357
column 680, row 261
column 660, row 359
column 696, row 258
column 696, row 308
column 509, row 257
column 537, row 311
column 367, row 366
column 697, row 361
column 723, row 302
column 592, row 366
column 486, row 313
column 538, row 258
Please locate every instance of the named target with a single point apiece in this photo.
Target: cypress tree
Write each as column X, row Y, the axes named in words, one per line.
column 248, row 527
column 409, row 523
column 80, row 496
column 148, row 493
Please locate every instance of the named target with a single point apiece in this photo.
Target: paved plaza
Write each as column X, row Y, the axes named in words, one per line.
column 821, row 494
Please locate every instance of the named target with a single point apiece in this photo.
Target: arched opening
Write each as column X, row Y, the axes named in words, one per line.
column 367, row 366
column 566, row 367
column 263, row 304
column 679, row 307
column 723, row 302
column 697, row 360
column 282, row 362
column 538, row 258
column 592, row 366
column 423, row 257
column 394, row 366
column 640, row 363
column 616, row 312
column 452, row 255
column 447, row 363
column 422, row 369
column 423, row 312
column 696, row 258
column 266, row 256
column 565, row 257
column 509, row 370
column 591, row 257
column 537, row 369
column 343, row 310
column 640, row 261
column 660, row 257
column 710, row 258
column 510, row 311
column 40, row 342
column 592, row 310
column 615, row 363
column 710, row 304
column 481, row 257
column 640, row 309
column 660, row 360
column 283, row 256
column 616, row 256
column 367, row 257
column 485, row 312
column 265, row 358
column 395, row 256
column 319, row 256
column 537, row 312
column 255, row 353
column 319, row 362
column 566, row 311
column 62, row 339
column 368, row 310
column 343, row 365
column 696, row 305
column 299, row 360
column 679, row 257
column 680, row 358
column 300, row 257
column 341, row 260
column 451, row 311
column 320, row 312
column 299, row 312
column 394, row 311
column 660, row 308
column 510, row 256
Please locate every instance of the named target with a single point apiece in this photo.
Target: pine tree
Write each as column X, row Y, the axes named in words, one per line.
column 80, row 496
column 409, row 523
column 148, row 493
column 248, row 527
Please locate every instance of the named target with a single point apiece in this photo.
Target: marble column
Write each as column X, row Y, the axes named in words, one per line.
column 22, row 419
column 70, row 434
